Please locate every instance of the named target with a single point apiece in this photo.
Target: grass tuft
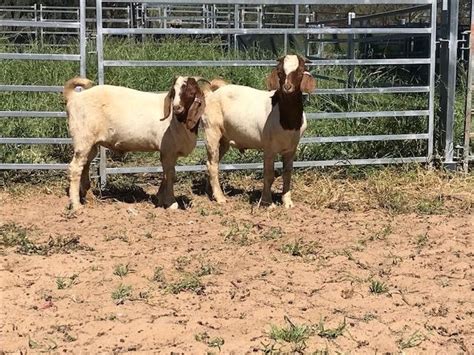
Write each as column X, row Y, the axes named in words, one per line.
column 293, row 334
column 121, row 270
column 204, row 337
column 122, row 293
column 331, row 333
column 412, row 341
column 377, row 287
column 189, row 282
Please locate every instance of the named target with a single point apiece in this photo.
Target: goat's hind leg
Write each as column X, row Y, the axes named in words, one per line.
column 76, row 168
column 85, row 178
column 213, row 143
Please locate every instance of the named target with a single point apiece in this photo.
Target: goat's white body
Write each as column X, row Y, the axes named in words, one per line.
column 245, row 118
column 248, row 120
column 124, row 119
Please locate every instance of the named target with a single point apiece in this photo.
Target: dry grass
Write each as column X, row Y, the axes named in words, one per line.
column 407, row 189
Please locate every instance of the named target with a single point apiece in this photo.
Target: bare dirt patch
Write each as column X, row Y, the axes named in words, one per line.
column 348, row 271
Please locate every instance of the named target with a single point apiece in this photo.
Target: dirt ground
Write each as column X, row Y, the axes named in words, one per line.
column 126, row 276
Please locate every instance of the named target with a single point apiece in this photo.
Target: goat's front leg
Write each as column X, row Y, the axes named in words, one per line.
column 212, row 145
column 168, row 200
column 161, row 191
column 268, row 178
column 287, row 170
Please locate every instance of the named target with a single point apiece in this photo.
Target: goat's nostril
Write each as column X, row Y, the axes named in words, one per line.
column 287, row 87
column 178, row 109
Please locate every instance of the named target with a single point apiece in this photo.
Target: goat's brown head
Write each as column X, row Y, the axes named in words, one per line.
column 186, row 100
column 291, row 75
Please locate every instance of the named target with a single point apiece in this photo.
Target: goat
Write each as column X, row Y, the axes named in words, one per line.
column 247, row 118
column 126, row 120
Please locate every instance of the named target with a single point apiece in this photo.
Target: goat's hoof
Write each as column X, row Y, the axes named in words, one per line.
column 173, row 206
column 221, row 200
column 288, row 204
column 73, row 210
column 266, row 203
column 89, row 197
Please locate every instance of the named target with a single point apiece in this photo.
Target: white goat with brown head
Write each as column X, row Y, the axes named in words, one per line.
column 272, row 121
column 128, row 120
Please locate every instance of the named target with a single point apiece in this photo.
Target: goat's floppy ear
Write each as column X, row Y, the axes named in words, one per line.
column 167, row 105
column 308, row 83
column 273, row 83
column 168, row 100
column 195, row 111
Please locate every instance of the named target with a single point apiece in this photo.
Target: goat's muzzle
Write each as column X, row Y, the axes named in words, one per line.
column 178, row 110
column 288, row 88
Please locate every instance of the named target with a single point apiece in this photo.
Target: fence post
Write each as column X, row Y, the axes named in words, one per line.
column 100, row 72
column 468, row 136
column 448, row 63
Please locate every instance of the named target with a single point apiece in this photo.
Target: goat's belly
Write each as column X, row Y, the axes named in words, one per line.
column 243, row 138
column 130, row 146
column 129, row 142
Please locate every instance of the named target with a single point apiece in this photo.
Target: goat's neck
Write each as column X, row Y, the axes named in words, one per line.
column 183, row 130
column 291, row 109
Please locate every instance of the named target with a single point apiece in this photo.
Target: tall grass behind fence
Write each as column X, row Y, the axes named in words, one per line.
column 159, row 79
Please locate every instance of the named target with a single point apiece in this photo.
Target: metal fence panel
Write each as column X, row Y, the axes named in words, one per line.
column 80, row 25
column 237, row 30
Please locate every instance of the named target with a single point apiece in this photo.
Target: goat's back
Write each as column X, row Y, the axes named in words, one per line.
column 118, row 117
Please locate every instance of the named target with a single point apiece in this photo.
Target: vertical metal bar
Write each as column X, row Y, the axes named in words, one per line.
column 297, row 16
column 468, row 107
column 432, row 81
column 285, row 43
column 82, row 37
column 448, row 65
column 35, row 10
column 41, row 29
column 350, row 50
column 165, row 17
column 100, row 71
column 236, row 25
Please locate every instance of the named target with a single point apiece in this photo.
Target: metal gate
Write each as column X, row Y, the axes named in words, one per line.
column 428, row 61
column 80, row 57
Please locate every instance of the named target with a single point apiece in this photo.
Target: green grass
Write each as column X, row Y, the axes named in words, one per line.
column 66, row 282
column 13, row 235
column 292, row 334
column 412, row 341
column 377, row 287
column 121, row 270
column 204, row 337
column 331, row 333
column 300, row 248
column 189, row 282
column 159, row 79
column 122, row 293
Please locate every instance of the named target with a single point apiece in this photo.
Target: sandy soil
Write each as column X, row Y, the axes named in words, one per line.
column 248, row 269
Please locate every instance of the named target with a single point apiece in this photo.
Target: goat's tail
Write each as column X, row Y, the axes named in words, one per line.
column 217, row 83
column 71, row 85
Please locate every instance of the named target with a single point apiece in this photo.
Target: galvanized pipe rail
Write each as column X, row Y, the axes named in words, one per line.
column 429, row 89
column 80, row 25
